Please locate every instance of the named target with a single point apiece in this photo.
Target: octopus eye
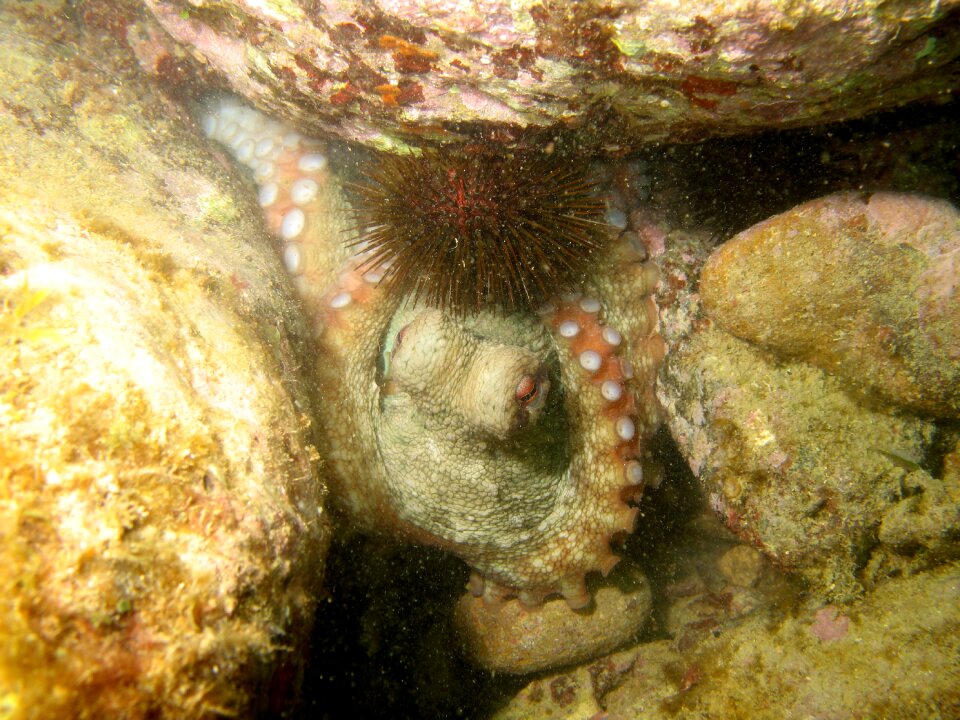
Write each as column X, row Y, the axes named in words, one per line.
column 530, row 392
column 400, row 335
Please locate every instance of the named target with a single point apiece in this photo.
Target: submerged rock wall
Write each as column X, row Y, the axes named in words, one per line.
column 161, row 520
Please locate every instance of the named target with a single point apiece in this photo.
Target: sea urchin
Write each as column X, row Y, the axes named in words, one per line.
column 464, row 231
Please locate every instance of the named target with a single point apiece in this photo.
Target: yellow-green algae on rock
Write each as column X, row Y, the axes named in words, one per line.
column 795, row 466
column 161, row 525
column 891, row 655
column 863, row 285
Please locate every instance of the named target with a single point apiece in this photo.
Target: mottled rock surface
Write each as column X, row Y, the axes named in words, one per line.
column 893, row 655
column 161, row 525
column 390, row 73
column 795, row 466
column 865, row 286
column 818, row 470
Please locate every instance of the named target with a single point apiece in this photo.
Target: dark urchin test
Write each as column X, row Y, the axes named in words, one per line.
column 467, row 230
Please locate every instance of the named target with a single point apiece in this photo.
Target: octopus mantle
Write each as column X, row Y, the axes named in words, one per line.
column 514, row 441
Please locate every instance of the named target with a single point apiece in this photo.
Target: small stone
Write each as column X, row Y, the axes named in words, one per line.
column 741, row 565
column 513, row 639
column 829, row 624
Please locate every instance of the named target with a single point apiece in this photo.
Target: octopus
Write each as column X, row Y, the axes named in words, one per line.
column 518, row 441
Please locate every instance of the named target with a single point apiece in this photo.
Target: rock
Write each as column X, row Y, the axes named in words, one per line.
column 951, row 463
column 830, row 484
column 865, row 286
column 394, row 72
column 854, row 668
column 576, row 695
column 507, row 637
column 894, row 654
column 163, row 532
column 741, row 565
column 923, row 523
column 797, row 468
column 698, row 597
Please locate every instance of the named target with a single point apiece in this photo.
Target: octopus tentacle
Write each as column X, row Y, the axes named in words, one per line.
column 605, row 459
column 302, row 206
column 516, row 442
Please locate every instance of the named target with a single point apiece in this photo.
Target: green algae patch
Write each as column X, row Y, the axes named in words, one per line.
column 220, row 208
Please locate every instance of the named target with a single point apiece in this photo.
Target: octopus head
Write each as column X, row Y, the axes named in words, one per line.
column 473, row 440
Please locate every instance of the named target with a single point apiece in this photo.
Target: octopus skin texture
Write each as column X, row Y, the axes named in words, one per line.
column 516, row 441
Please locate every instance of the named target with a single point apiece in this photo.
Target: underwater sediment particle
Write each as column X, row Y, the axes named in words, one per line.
column 161, row 509
column 863, row 285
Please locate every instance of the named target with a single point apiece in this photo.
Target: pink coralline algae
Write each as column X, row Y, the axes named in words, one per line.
column 393, row 73
column 829, row 623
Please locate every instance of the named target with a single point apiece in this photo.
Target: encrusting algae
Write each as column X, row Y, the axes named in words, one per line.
column 161, row 523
